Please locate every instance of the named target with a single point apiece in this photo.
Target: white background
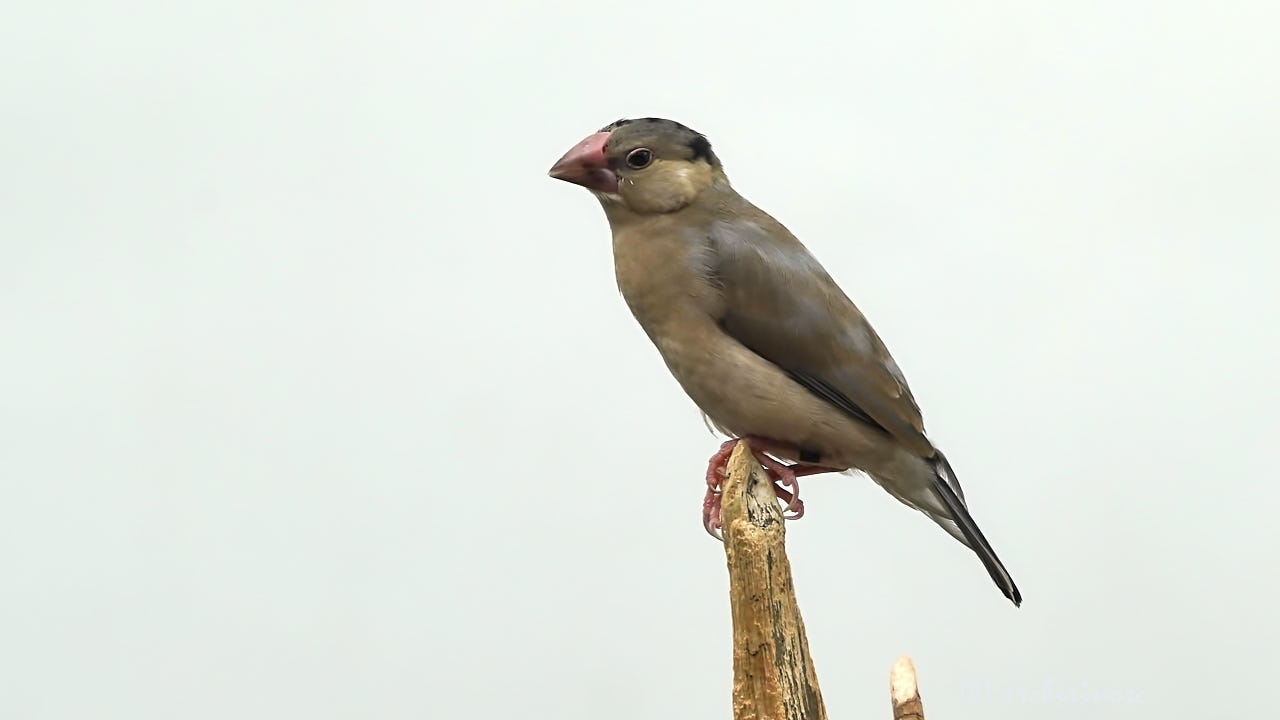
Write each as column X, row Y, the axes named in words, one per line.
column 317, row 399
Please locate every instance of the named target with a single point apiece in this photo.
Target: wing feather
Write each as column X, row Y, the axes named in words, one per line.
column 782, row 304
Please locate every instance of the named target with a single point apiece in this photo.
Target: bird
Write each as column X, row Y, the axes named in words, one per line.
column 756, row 331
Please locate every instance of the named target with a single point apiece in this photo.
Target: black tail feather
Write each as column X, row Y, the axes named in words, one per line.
column 949, row 490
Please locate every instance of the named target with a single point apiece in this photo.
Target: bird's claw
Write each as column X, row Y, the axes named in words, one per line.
column 711, row 521
column 786, row 486
column 717, row 472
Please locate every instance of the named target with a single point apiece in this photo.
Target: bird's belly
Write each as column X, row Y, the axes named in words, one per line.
column 744, row 394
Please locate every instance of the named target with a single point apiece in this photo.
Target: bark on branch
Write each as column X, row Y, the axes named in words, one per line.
column 773, row 674
column 903, row 691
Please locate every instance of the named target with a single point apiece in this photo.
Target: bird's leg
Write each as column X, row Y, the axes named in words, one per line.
column 784, row 477
column 785, row 484
column 802, row 469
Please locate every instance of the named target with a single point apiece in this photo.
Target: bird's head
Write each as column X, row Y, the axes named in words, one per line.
column 649, row 166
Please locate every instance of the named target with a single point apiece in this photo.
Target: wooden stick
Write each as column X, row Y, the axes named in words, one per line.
column 773, row 676
column 903, row 691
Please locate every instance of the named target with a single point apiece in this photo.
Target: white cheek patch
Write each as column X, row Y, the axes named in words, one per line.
column 682, row 174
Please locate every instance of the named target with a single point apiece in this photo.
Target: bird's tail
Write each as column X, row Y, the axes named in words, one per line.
column 948, row 489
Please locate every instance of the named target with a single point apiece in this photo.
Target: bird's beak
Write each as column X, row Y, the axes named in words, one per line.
column 585, row 164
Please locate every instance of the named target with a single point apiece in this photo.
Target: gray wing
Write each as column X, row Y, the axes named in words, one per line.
column 782, row 304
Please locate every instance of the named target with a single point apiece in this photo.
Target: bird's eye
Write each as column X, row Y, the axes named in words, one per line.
column 639, row 158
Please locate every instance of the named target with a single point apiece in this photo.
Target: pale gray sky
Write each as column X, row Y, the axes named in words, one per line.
column 317, row 398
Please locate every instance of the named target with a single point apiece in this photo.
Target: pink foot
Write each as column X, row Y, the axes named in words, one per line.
column 784, row 478
column 716, row 472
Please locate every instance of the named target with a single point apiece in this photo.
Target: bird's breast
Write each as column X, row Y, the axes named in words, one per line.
column 664, row 274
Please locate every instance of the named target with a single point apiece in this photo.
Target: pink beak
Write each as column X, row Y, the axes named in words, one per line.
column 585, row 164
